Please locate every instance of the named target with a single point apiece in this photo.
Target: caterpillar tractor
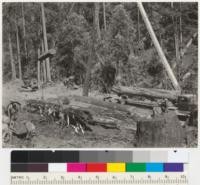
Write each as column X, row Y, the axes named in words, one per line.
column 187, row 109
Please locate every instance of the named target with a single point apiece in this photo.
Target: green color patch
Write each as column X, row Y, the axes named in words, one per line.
column 135, row 167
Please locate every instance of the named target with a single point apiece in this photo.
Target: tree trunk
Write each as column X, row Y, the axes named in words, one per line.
column 138, row 24
column 70, row 11
column 181, row 34
column 188, row 44
column 18, row 53
column 184, row 50
column 104, row 15
column 24, row 32
column 48, row 72
column 86, row 85
column 95, row 35
column 176, row 40
column 44, row 66
column 38, row 70
column 177, row 49
column 11, row 58
column 96, row 21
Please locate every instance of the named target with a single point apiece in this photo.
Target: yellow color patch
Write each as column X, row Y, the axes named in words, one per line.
column 116, row 167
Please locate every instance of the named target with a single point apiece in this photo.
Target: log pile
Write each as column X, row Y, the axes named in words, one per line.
column 86, row 112
column 162, row 128
column 151, row 128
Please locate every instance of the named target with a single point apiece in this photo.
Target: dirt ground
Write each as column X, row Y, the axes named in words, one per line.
column 52, row 135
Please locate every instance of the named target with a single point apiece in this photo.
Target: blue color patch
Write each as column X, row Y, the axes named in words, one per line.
column 154, row 167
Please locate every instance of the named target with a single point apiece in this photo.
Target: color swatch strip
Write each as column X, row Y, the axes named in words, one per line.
column 97, row 167
column 84, row 156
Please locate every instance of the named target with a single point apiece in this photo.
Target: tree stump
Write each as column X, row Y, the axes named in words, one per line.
column 161, row 131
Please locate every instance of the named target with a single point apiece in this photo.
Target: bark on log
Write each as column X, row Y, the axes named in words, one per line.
column 93, row 101
column 142, row 104
column 147, row 93
column 165, row 131
column 104, row 122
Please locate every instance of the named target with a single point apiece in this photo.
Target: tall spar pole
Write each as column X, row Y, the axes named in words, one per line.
column 158, row 47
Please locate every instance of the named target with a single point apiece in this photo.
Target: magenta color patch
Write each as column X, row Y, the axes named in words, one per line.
column 76, row 167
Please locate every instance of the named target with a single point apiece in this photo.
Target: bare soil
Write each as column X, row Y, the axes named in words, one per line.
column 52, row 135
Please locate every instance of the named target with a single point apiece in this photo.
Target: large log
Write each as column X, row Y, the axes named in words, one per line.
column 142, row 104
column 147, row 93
column 105, row 122
column 101, row 103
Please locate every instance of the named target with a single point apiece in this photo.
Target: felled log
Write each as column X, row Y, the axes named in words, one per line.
column 81, row 113
column 104, row 122
column 147, row 93
column 142, row 104
column 29, row 89
column 93, row 101
column 165, row 131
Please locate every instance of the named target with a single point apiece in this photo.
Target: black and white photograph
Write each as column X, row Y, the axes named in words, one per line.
column 99, row 74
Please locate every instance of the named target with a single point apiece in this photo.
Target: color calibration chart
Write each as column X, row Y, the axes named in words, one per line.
column 99, row 167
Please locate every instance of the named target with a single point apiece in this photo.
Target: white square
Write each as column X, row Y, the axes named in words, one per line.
column 178, row 156
column 57, row 167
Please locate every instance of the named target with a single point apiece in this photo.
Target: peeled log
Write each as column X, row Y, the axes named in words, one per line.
column 165, row 131
column 147, row 93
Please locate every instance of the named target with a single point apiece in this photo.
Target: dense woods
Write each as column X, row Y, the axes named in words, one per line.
column 101, row 44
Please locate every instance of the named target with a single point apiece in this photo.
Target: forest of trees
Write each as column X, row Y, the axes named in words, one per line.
column 101, row 43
